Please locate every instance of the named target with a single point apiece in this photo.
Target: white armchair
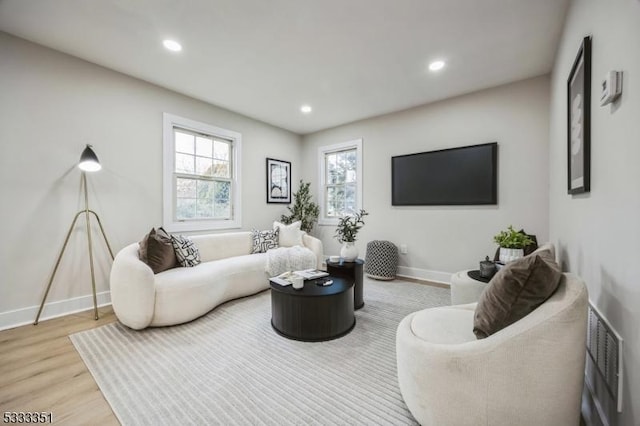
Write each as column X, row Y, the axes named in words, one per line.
column 529, row 373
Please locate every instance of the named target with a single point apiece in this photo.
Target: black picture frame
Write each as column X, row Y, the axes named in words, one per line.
column 579, row 121
column 278, row 181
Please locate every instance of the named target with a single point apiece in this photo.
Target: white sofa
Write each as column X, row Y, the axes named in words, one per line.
column 228, row 270
column 529, row 373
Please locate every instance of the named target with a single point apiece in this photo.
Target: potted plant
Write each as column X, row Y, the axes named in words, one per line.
column 304, row 210
column 512, row 244
column 346, row 232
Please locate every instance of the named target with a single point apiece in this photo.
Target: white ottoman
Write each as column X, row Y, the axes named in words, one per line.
column 465, row 289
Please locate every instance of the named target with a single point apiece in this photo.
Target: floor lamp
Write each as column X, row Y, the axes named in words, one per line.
column 88, row 163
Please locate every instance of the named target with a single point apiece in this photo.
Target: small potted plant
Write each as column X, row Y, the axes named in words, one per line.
column 346, row 232
column 512, row 244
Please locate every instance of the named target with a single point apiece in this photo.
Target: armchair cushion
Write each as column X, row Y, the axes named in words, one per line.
column 445, row 325
column 516, row 290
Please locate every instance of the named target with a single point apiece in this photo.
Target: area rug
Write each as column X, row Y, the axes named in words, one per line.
column 230, row 367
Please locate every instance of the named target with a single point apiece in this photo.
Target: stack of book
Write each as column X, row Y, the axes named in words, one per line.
column 285, row 278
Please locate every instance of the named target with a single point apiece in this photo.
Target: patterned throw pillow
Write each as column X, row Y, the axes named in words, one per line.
column 264, row 240
column 186, row 251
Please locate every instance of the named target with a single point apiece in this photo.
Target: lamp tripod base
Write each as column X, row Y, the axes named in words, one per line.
column 87, row 213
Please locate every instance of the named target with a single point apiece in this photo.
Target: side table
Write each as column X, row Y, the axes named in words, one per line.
column 465, row 289
column 353, row 271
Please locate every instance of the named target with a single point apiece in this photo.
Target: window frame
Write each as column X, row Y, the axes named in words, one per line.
column 170, row 122
column 329, row 149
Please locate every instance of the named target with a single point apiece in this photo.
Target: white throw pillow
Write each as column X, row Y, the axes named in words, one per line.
column 290, row 235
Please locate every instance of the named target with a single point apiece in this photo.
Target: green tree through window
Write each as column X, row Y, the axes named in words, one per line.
column 202, row 176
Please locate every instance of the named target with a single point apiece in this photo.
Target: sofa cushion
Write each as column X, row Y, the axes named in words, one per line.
column 186, row 251
column 223, row 245
column 290, row 235
column 516, row 290
column 264, row 240
column 156, row 250
column 182, row 294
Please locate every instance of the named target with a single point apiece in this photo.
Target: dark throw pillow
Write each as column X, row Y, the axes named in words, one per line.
column 186, row 251
column 156, row 250
column 518, row 288
column 264, row 240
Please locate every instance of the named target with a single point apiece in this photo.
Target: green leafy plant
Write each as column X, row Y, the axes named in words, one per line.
column 512, row 239
column 303, row 209
column 348, row 227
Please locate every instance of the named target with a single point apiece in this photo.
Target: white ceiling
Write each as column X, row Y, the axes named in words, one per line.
column 348, row 59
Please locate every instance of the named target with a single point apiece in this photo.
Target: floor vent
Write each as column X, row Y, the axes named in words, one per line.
column 604, row 346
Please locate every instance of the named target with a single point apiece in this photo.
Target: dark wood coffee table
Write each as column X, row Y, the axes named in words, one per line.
column 314, row 313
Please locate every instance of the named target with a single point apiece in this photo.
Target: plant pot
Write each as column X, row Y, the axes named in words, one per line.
column 349, row 252
column 508, row 255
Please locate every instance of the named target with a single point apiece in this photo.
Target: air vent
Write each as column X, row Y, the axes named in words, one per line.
column 604, row 346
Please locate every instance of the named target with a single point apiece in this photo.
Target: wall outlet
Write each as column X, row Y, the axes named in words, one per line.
column 403, row 249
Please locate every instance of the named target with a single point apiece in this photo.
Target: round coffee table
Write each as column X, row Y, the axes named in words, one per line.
column 314, row 313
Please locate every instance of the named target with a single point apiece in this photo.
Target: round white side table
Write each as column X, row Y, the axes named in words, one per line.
column 465, row 289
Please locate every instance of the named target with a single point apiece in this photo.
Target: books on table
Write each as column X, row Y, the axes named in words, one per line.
column 311, row 274
column 286, row 278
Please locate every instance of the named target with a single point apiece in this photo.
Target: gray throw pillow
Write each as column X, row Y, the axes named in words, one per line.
column 516, row 290
column 156, row 250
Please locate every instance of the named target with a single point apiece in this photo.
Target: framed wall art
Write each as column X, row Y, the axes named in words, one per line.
column 579, row 121
column 278, row 181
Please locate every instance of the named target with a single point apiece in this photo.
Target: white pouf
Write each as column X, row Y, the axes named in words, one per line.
column 465, row 289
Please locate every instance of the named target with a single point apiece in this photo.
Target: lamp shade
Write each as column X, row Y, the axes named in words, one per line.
column 89, row 160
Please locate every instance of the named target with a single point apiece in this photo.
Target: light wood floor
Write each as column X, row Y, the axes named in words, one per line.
column 40, row 370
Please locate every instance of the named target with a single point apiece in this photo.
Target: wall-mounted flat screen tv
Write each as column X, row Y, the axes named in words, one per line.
column 465, row 175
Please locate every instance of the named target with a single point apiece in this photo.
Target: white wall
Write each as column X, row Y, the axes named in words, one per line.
column 51, row 105
column 597, row 233
column 447, row 238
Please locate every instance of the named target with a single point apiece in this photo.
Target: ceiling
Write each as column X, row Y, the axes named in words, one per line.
column 348, row 59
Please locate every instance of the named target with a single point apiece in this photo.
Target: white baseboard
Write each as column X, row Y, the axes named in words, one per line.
column 425, row 274
column 24, row 316
column 420, row 274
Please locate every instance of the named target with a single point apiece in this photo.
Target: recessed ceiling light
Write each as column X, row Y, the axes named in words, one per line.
column 306, row 109
column 172, row 45
column 436, row 65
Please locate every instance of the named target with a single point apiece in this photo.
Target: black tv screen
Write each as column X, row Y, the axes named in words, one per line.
column 466, row 175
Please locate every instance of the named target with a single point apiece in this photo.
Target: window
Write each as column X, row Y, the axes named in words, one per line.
column 201, row 176
column 340, row 167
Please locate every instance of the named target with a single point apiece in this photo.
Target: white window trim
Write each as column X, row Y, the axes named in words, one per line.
column 168, row 189
column 322, row 151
